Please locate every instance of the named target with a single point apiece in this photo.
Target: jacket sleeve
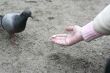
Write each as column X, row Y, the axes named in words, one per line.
column 98, row 27
column 101, row 22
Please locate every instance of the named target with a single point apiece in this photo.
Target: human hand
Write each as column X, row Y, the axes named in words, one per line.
column 74, row 36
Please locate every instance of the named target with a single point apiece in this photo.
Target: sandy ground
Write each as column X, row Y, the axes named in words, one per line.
column 33, row 53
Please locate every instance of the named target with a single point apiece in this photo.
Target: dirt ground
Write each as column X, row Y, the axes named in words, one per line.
column 33, row 53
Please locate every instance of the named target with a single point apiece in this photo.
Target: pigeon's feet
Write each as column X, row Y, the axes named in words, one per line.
column 74, row 36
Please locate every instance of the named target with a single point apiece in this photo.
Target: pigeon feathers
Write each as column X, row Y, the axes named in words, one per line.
column 15, row 22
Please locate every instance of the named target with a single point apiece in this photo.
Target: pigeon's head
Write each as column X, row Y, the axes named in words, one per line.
column 27, row 13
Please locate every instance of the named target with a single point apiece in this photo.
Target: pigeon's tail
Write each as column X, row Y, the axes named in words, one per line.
column 1, row 20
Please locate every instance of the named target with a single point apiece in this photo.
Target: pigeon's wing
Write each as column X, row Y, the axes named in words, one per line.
column 7, row 22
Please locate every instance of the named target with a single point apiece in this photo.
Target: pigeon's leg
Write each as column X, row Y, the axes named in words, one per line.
column 1, row 29
column 12, row 39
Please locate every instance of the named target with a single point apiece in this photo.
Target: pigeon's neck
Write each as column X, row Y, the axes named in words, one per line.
column 23, row 21
column 24, row 18
column 20, row 25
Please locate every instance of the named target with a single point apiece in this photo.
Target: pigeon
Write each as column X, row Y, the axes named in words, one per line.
column 15, row 22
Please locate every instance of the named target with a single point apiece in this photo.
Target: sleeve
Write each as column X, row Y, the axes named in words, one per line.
column 98, row 27
column 102, row 21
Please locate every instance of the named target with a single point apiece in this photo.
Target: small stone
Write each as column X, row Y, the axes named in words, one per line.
column 49, row 0
column 30, row 1
column 51, row 18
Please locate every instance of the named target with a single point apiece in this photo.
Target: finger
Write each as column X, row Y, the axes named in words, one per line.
column 69, row 28
column 59, row 40
column 59, row 35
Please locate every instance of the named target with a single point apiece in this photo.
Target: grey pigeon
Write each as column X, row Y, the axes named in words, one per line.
column 15, row 22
